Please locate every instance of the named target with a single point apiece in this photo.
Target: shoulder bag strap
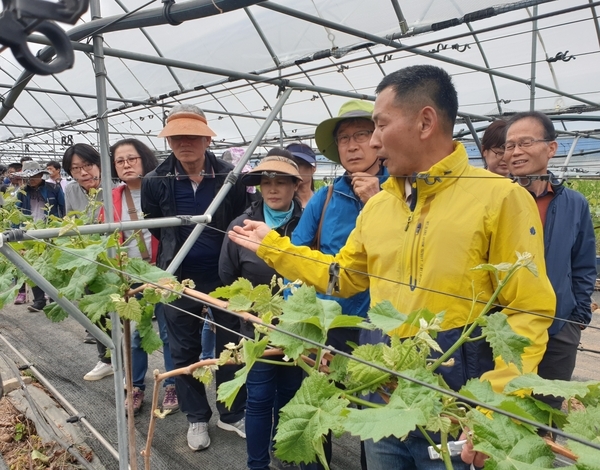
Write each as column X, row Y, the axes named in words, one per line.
column 316, row 245
column 132, row 211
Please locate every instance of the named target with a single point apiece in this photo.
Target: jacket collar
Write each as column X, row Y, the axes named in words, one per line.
column 441, row 175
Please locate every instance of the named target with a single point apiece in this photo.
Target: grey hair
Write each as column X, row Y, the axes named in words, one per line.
column 187, row 108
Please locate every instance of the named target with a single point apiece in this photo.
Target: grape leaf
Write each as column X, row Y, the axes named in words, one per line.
column 55, row 313
column 97, row 305
column 504, row 341
column 293, row 347
column 303, row 306
column 9, row 295
column 70, row 258
column 130, row 310
column 585, row 424
column 410, row 405
column 104, row 281
column 509, row 445
column 151, row 341
column 240, row 303
column 385, row 317
column 251, row 351
column 142, row 271
column 269, row 304
column 533, row 383
column 338, row 368
column 360, row 373
column 82, row 276
column 307, row 418
column 240, row 287
column 345, row 321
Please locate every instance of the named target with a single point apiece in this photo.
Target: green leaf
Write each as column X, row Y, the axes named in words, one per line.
column 241, row 286
column 9, row 295
column 37, row 455
column 70, row 258
column 338, row 368
column 130, row 310
column 504, row 341
column 82, row 276
column 410, row 405
column 142, row 271
column 585, row 424
column 526, row 407
column 269, row 304
column 97, row 305
column 509, row 445
column 307, row 418
column 150, row 341
column 105, row 281
column 240, row 303
column 251, row 350
column 303, row 306
column 293, row 347
column 360, row 373
column 204, row 374
column 494, row 268
column 533, row 383
column 385, row 317
column 345, row 321
column 55, row 313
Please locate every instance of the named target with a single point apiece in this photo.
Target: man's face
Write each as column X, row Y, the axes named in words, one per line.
column 54, row 173
column 395, row 138
column 35, row 180
column 14, row 180
column 189, row 148
column 531, row 160
column 356, row 156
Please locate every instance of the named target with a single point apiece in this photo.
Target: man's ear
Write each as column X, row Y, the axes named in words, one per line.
column 427, row 120
column 553, row 147
column 208, row 140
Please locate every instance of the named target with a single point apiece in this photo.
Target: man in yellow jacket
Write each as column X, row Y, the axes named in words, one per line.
column 416, row 241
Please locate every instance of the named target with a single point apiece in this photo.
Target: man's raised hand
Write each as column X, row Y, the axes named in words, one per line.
column 250, row 235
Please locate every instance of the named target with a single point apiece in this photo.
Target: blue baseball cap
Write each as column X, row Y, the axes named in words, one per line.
column 303, row 152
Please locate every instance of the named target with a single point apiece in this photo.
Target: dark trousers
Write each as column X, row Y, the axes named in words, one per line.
column 185, row 340
column 38, row 296
column 558, row 362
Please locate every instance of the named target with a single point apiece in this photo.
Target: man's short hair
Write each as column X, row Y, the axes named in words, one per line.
column 186, row 108
column 15, row 166
column 54, row 164
column 423, row 85
column 549, row 130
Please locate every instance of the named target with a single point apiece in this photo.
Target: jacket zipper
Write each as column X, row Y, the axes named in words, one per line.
column 414, row 259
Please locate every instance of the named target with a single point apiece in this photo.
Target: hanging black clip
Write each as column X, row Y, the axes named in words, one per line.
column 22, row 17
column 334, row 279
column 167, row 4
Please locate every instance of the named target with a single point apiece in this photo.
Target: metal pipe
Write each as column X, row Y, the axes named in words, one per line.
column 105, row 168
column 533, row 58
column 61, row 399
column 473, row 132
column 568, row 158
column 231, row 179
column 11, row 255
column 42, row 234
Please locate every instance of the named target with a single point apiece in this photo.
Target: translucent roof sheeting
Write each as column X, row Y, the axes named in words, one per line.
column 235, row 64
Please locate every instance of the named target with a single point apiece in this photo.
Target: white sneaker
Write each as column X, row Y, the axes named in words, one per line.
column 99, row 372
column 238, row 427
column 197, row 436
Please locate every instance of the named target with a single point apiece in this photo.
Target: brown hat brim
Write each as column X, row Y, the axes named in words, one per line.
column 270, row 168
column 186, row 124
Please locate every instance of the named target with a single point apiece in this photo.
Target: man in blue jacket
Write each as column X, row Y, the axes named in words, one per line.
column 39, row 199
column 569, row 242
column 331, row 214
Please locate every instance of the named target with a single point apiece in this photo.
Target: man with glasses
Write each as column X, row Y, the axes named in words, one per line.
column 570, row 245
column 416, row 241
column 186, row 184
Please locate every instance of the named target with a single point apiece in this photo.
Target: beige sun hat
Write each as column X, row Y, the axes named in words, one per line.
column 184, row 121
column 272, row 166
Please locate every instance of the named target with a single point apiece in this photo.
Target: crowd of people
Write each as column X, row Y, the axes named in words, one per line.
column 408, row 193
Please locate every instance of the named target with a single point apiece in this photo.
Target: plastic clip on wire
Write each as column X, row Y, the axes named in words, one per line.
column 22, row 17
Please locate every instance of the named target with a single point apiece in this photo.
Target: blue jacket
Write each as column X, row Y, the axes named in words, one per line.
column 340, row 220
column 570, row 253
column 52, row 194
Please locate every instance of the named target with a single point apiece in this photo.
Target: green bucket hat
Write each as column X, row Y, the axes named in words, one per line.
column 324, row 133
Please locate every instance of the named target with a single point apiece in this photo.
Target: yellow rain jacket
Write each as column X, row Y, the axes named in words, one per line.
column 421, row 256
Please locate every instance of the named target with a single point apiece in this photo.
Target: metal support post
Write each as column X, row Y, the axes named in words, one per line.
column 102, row 121
column 561, row 175
column 534, row 32
column 231, row 179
